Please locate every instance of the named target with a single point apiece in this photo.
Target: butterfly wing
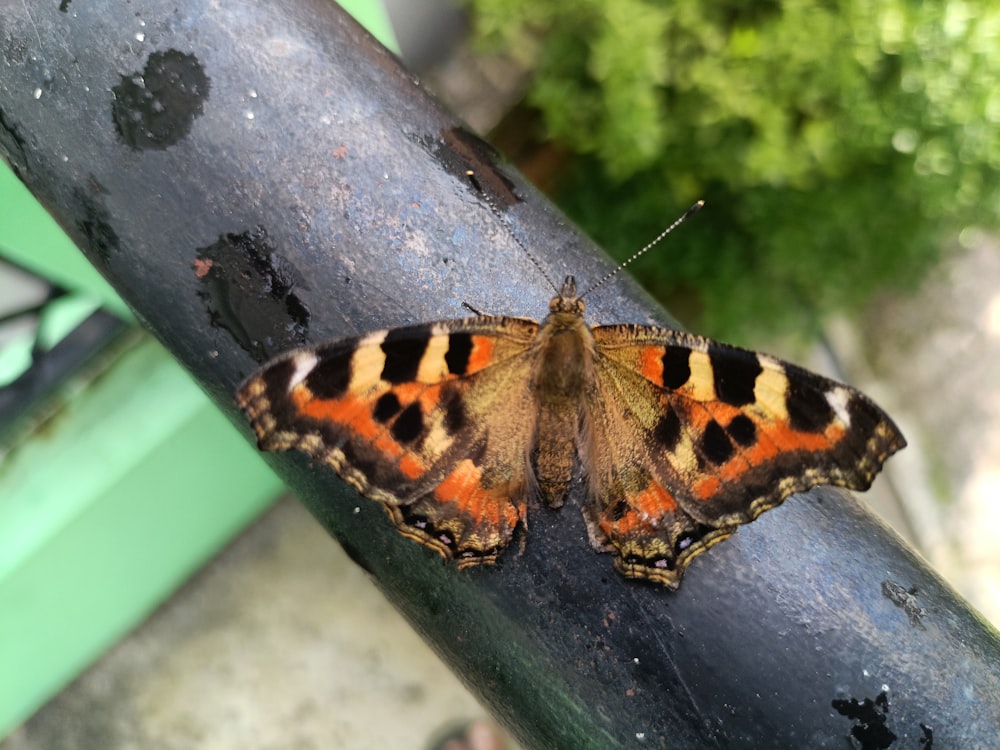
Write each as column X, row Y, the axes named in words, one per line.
column 686, row 439
column 401, row 415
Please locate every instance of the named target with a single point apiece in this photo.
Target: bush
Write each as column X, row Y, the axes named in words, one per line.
column 836, row 144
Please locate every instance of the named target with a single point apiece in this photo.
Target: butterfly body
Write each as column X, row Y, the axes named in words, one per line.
column 455, row 426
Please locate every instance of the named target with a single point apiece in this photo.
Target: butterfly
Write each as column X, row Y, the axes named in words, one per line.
column 455, row 427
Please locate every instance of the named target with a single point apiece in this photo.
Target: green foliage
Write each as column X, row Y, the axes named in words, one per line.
column 835, row 143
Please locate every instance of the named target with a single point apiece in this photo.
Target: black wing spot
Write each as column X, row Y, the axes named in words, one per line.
column 676, row 366
column 742, row 430
column 403, row 351
column 808, row 409
column 459, row 351
column 715, row 444
column 387, row 407
column 668, row 430
column 409, row 425
column 455, row 417
column 735, row 373
column 330, row 377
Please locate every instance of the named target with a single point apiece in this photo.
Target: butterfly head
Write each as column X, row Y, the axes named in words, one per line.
column 567, row 301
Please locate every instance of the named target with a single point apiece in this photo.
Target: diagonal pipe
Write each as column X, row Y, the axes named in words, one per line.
column 253, row 176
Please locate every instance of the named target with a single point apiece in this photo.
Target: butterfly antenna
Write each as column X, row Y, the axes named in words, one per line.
column 635, row 256
column 503, row 220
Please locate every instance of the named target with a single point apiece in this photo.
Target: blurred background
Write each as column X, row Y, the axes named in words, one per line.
column 847, row 153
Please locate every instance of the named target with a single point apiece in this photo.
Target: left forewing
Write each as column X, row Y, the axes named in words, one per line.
column 427, row 420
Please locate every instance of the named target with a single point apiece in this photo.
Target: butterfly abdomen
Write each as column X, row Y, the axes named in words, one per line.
column 563, row 370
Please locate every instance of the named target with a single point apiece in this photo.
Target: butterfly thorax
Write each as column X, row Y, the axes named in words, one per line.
column 564, row 349
column 563, row 369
